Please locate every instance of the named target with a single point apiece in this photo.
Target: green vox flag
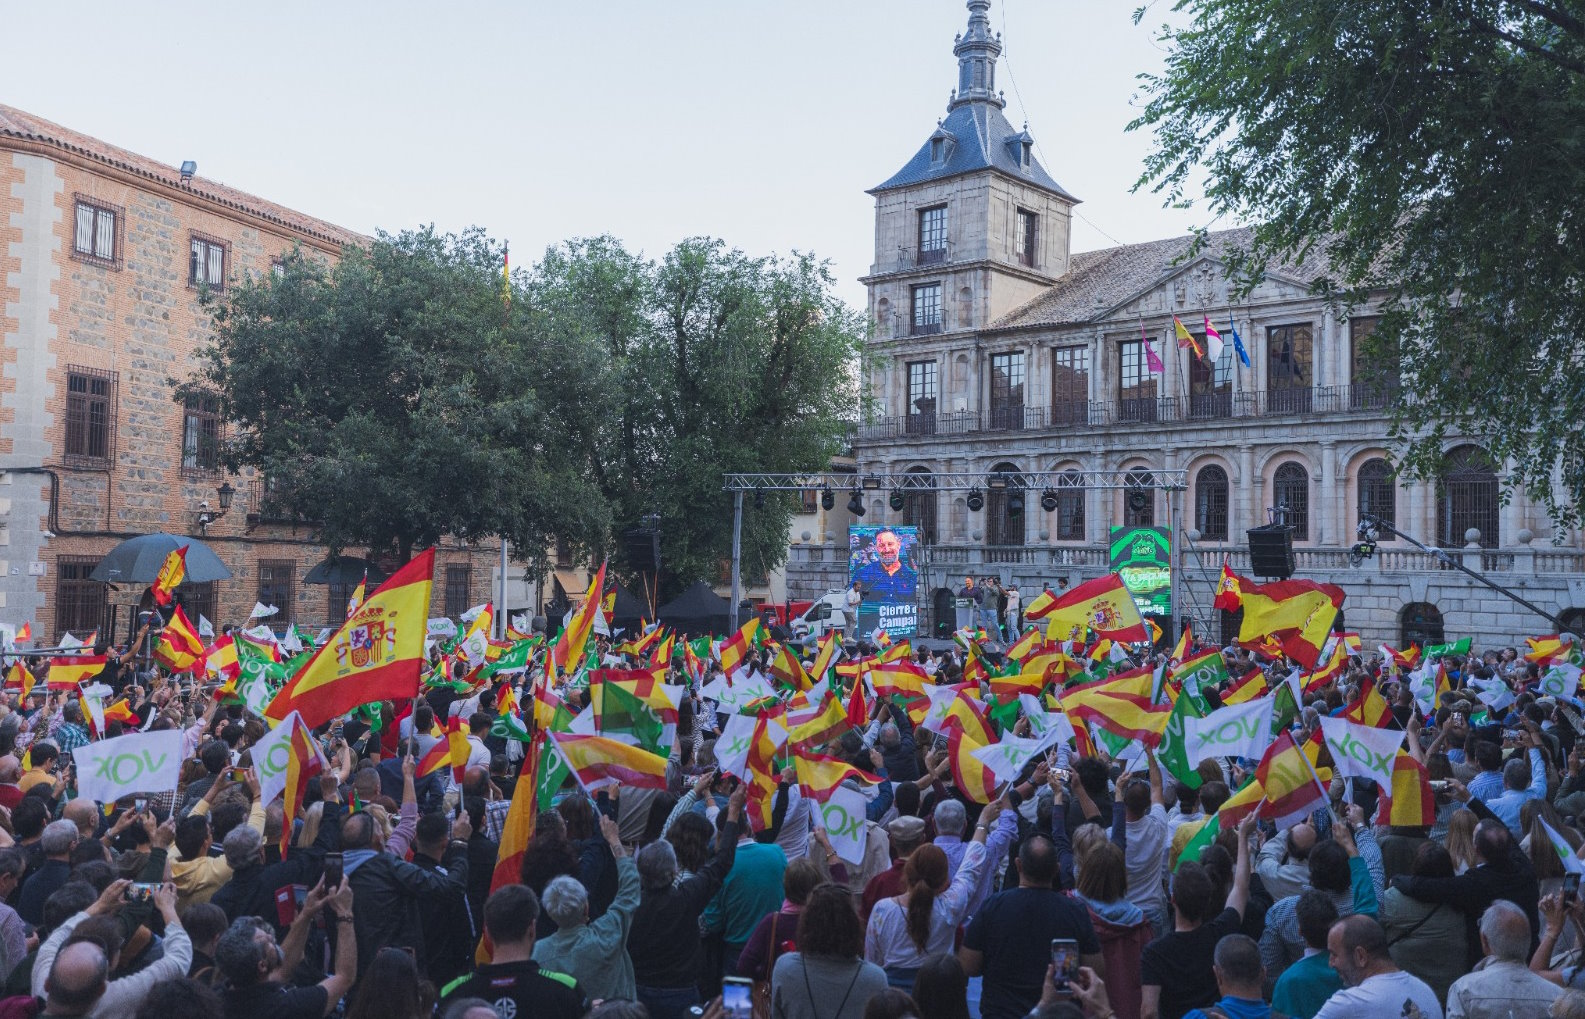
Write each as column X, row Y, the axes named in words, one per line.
column 1202, row 838
column 1173, row 752
column 1458, row 647
column 1201, row 671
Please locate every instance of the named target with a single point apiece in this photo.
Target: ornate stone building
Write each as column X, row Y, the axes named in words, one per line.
column 102, row 253
column 997, row 350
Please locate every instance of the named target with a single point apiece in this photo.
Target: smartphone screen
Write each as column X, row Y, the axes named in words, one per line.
column 332, row 870
column 1065, row 960
column 737, row 998
column 1570, row 887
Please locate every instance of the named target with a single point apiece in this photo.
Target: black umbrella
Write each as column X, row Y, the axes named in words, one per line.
column 345, row 569
column 138, row 560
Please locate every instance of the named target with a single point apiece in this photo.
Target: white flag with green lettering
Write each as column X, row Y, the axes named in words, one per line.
column 139, row 762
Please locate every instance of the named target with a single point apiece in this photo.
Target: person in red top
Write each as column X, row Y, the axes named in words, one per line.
column 10, row 773
column 906, row 834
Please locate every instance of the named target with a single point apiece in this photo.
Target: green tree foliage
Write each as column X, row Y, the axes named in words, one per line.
column 392, row 398
column 1432, row 151
column 705, row 362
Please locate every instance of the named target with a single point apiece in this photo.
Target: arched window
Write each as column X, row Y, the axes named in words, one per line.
column 1466, row 497
column 1070, row 507
column 1210, row 503
column 1377, row 497
column 1004, row 506
column 919, row 503
column 1419, row 623
column 1139, row 498
column 1291, row 490
column 1572, row 620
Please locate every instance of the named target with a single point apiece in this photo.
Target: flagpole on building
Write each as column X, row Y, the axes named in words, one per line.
column 737, row 557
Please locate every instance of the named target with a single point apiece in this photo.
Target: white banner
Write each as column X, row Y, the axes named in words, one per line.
column 441, row 627
column 1561, row 681
column 1362, row 751
column 843, row 817
column 1241, row 730
column 141, row 762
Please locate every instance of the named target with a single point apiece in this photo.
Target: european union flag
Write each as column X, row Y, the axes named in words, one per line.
column 1238, row 342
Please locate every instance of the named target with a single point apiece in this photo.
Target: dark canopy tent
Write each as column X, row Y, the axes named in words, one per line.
column 630, row 611
column 346, row 569
column 698, row 611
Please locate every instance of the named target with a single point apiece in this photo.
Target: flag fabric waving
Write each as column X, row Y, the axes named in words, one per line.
column 1213, row 341
column 1229, row 591
column 574, row 640
column 1362, row 751
column 735, row 648
column 1411, row 803
column 598, row 761
column 172, row 572
column 1298, row 614
column 1104, row 604
column 1290, row 785
column 376, row 655
column 1239, row 730
column 1121, row 704
column 1238, row 342
column 66, row 673
column 180, row 648
column 1186, row 340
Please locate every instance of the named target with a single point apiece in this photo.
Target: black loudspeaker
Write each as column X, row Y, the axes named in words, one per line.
column 1271, row 551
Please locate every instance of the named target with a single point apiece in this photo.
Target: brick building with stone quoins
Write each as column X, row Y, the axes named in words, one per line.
column 101, row 255
column 998, row 351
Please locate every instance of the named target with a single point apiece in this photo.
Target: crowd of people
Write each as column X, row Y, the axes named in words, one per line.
column 1086, row 888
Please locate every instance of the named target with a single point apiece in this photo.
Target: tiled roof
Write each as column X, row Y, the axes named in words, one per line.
column 15, row 123
column 1097, row 281
column 980, row 134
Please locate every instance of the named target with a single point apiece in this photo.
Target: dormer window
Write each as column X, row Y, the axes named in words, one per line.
column 1023, row 150
column 938, row 149
column 941, row 145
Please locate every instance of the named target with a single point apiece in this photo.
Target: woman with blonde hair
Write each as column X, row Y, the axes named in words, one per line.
column 1119, row 924
column 1461, row 839
column 909, row 928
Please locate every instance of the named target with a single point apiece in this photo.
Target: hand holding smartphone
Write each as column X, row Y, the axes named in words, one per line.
column 1064, row 963
column 333, row 871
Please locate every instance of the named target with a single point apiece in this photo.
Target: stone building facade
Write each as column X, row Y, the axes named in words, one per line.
column 102, row 252
column 996, row 351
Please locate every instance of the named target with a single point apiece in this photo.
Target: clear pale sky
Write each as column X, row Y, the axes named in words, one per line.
column 755, row 121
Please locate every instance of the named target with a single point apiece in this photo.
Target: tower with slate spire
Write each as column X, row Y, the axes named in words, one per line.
column 972, row 226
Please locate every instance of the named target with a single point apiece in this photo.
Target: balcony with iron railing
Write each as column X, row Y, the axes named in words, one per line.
column 1197, row 408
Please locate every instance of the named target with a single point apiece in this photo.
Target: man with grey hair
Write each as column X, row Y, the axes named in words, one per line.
column 664, row 943
column 76, row 980
column 123, row 995
column 56, row 843
column 951, row 827
column 594, row 954
column 1502, row 986
column 256, row 968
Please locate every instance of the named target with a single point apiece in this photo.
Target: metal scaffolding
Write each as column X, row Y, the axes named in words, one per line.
column 1171, row 482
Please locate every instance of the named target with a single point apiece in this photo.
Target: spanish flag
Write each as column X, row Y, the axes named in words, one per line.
column 1251, row 685
column 1120, row 704
column 20, row 679
column 831, row 722
column 971, row 776
column 1186, row 340
column 377, row 655
column 457, row 748
column 26, row 632
column 172, row 572
column 1370, row 707
column 67, row 673
column 826, row 654
column 121, row 712
column 574, row 640
column 1402, row 661
column 302, row 763
column 1292, row 788
column 736, row 647
column 786, row 667
column 1025, row 645
column 1185, row 643
column 1542, row 649
column 898, row 679
column 516, row 832
column 1229, row 591
column 1411, row 804
column 660, row 655
column 858, row 710
column 220, row 659
column 358, row 594
column 438, row 757
column 1334, row 668
column 598, row 761
column 180, row 648
column 1298, row 614
column 819, row 775
column 1104, row 605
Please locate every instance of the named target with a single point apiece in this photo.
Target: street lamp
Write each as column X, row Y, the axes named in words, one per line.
column 225, row 493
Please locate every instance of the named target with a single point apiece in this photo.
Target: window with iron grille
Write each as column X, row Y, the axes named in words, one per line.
column 1139, row 499
column 276, row 580
column 1377, row 497
column 1467, row 498
column 201, row 434
column 1007, row 390
column 1210, row 503
column 811, row 500
column 1070, row 509
column 1419, row 623
column 336, row 609
column 1136, row 386
column 1024, row 237
column 1211, row 384
column 922, row 388
column 1070, row 385
column 933, row 234
column 1004, row 508
column 563, row 554
column 96, row 237
column 207, row 262
column 927, row 308
column 1291, row 489
column 90, row 413
column 459, row 583
column 919, row 506
column 79, row 602
column 197, row 599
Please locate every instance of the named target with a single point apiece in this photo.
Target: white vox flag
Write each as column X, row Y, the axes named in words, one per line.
column 205, row 627
column 1240, row 730
column 1561, row 681
column 730, row 695
column 843, row 816
column 262, row 611
column 140, row 762
column 1362, row 751
column 1008, row 756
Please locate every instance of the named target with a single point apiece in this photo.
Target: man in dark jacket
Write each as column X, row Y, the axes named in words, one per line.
column 664, row 940
column 1503, row 872
column 254, row 883
column 386, row 890
column 447, row 922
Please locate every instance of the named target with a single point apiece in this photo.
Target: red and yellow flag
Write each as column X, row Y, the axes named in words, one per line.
column 858, row 710
column 831, row 722
column 19, row 679
column 377, row 655
column 598, row 761
column 971, row 777
column 1229, row 591
column 220, row 658
column 457, row 748
column 302, row 764
column 1369, row 708
column 1185, row 642
column 736, row 647
column 786, row 667
column 67, row 673
column 436, row 758
column 1249, row 686
column 1186, row 340
column 1335, row 667
column 121, row 712
column 25, row 632
column 1291, row 786
column 574, row 640
column 830, row 644
column 1121, row 705
column 1412, row 804
column 516, row 831
column 1296, row 614
column 172, row 572
column 180, row 648
column 1104, row 604
column 819, row 775
column 660, row 653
